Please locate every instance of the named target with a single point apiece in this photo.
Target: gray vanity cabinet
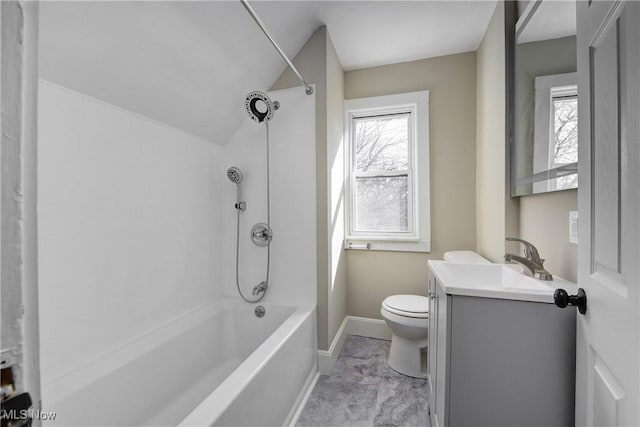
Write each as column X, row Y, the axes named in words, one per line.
column 438, row 353
column 499, row 362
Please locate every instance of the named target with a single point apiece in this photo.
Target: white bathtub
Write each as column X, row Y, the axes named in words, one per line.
column 220, row 365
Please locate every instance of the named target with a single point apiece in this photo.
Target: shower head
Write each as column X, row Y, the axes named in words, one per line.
column 234, row 175
column 259, row 106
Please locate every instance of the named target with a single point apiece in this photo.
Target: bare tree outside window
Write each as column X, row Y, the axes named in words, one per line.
column 565, row 142
column 381, row 169
column 382, row 143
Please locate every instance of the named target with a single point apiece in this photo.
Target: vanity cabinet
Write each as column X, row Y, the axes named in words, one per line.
column 437, row 352
column 499, row 362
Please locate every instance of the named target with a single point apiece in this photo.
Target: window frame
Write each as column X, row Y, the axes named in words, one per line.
column 558, row 93
column 418, row 236
column 410, row 234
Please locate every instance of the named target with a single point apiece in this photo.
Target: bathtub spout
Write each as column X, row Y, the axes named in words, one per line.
column 259, row 288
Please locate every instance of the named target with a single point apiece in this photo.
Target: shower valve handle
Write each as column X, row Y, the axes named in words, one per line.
column 261, row 234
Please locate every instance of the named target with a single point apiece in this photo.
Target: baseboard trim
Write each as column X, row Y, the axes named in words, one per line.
column 366, row 327
column 327, row 358
column 351, row 325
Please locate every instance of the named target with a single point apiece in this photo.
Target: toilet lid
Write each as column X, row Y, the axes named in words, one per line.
column 412, row 305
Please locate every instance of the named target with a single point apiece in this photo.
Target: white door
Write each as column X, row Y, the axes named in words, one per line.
column 608, row 335
column 19, row 351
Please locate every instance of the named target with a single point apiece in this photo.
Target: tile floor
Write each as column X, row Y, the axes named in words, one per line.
column 363, row 391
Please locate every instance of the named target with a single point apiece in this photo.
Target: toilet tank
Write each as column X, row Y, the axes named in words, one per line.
column 465, row 257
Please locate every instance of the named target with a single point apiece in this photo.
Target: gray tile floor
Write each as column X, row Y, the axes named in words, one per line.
column 363, row 391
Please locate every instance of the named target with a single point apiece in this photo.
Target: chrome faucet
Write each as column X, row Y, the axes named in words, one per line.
column 531, row 259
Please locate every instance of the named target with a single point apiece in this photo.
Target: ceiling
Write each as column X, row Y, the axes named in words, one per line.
column 189, row 64
column 547, row 20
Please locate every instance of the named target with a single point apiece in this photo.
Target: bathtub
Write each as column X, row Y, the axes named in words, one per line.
column 218, row 365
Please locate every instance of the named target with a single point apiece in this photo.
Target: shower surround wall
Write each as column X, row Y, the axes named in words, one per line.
column 129, row 218
column 293, row 202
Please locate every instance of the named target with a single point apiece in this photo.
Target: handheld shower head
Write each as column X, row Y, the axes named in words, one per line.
column 235, row 175
column 259, row 107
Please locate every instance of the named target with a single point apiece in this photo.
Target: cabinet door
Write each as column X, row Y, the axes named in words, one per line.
column 442, row 357
column 433, row 328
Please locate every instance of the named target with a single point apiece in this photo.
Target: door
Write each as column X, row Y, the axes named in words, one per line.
column 608, row 335
column 19, row 354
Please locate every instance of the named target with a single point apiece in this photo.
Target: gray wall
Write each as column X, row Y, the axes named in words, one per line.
column 337, row 274
column 319, row 64
column 451, row 82
column 470, row 202
column 544, row 221
column 496, row 212
column 544, row 218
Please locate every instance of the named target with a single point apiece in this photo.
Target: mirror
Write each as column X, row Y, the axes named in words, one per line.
column 544, row 146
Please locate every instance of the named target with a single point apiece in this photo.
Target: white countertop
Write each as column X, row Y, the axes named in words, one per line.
column 502, row 281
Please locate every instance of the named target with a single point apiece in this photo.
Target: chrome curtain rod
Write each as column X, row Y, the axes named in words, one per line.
column 245, row 3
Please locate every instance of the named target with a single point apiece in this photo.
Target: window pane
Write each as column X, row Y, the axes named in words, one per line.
column 382, row 143
column 565, row 114
column 382, row 204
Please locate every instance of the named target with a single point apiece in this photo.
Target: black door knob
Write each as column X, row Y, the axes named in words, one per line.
column 563, row 299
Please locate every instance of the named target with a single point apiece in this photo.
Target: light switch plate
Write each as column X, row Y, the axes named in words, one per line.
column 573, row 227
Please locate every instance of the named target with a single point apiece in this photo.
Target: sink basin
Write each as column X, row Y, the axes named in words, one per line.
column 512, row 279
column 495, row 281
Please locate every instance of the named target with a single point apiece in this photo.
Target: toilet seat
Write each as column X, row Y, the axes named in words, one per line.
column 407, row 305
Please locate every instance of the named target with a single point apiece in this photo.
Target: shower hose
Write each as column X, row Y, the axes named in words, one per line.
column 266, row 281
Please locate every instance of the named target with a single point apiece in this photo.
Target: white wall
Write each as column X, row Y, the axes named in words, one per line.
column 129, row 217
column 293, row 202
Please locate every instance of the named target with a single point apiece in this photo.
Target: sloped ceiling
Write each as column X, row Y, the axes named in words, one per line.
column 549, row 20
column 189, row 64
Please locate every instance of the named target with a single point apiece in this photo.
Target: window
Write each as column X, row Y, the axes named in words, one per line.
column 564, row 140
column 387, row 161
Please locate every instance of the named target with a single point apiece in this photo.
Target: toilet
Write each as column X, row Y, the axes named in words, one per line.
column 408, row 318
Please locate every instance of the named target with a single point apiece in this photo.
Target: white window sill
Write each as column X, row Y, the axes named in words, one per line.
column 388, row 245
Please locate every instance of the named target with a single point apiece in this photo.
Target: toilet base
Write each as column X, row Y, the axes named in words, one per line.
column 408, row 357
